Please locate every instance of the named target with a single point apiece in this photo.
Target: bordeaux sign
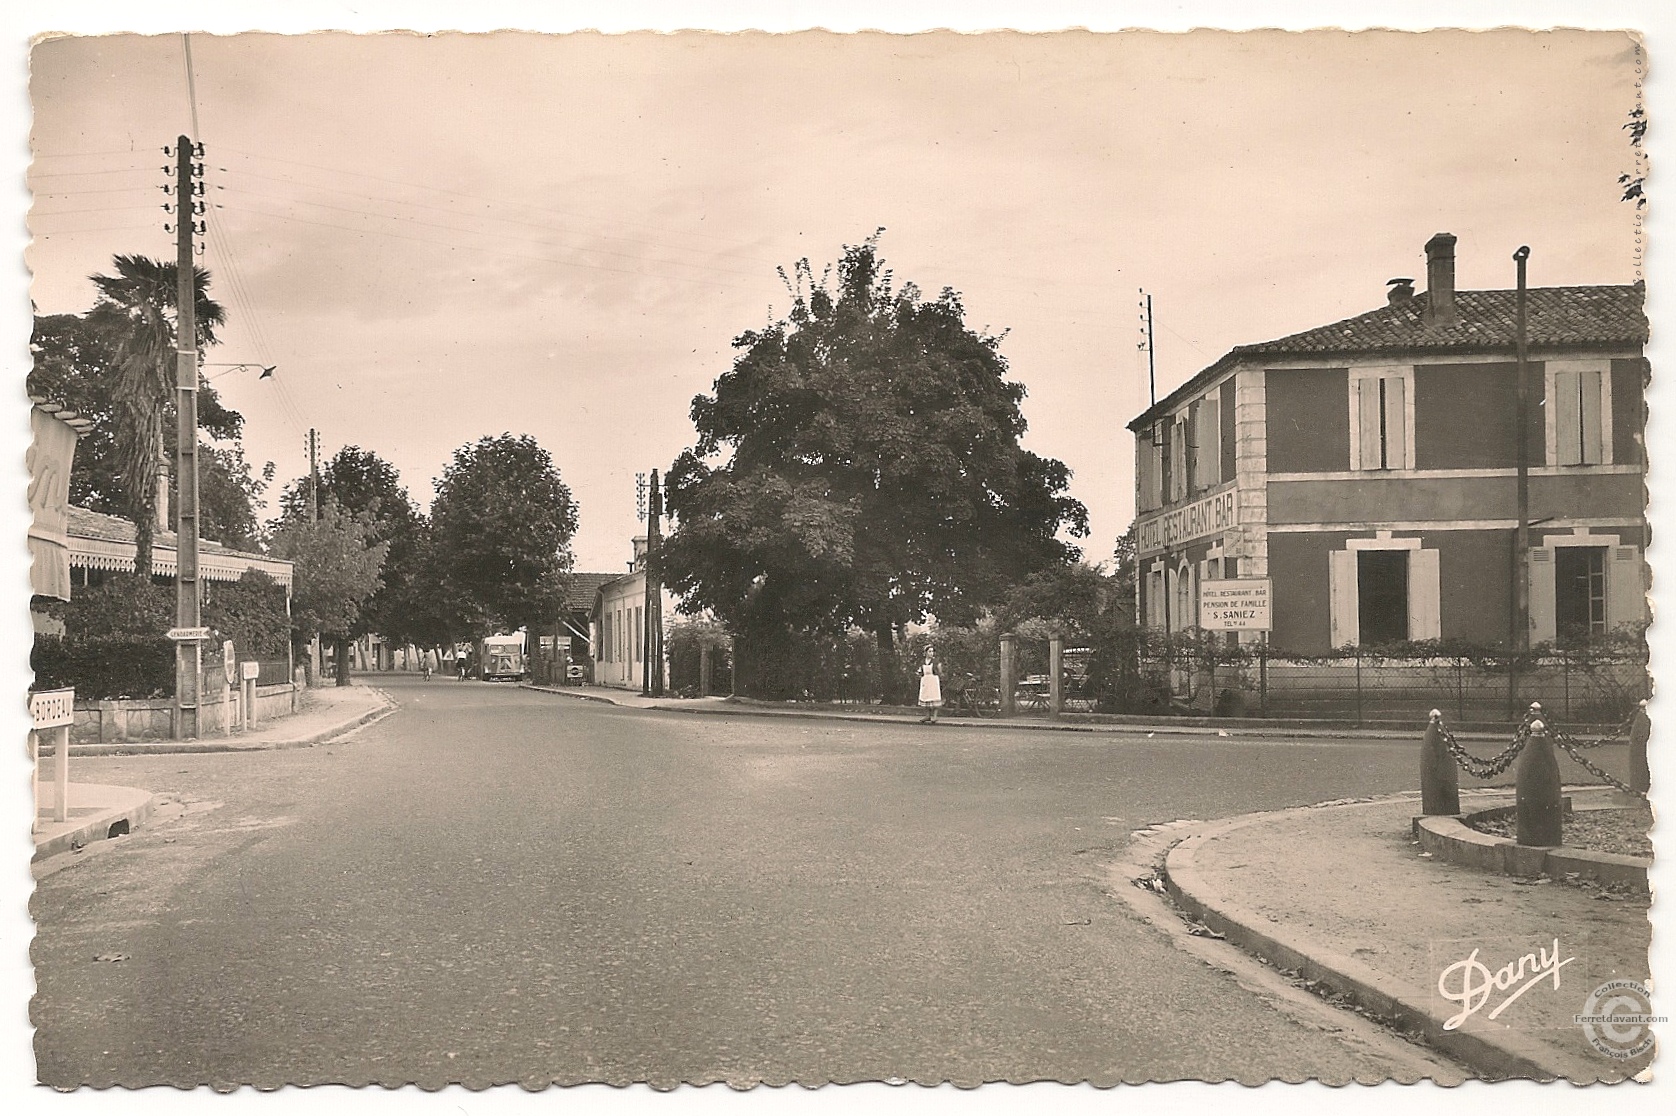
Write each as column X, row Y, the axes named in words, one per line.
column 1209, row 516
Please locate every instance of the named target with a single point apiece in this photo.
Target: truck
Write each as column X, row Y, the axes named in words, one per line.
column 502, row 658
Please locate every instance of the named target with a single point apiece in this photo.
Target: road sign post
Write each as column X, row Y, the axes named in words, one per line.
column 52, row 711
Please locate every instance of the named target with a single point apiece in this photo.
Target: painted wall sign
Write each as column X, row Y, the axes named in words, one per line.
column 1235, row 606
column 1210, row 516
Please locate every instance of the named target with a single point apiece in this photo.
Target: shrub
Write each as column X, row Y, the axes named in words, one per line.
column 251, row 613
column 105, row 667
column 122, row 605
column 685, row 642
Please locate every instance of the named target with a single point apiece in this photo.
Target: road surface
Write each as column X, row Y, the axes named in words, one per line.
column 495, row 885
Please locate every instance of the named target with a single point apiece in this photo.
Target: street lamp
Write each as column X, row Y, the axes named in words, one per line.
column 267, row 369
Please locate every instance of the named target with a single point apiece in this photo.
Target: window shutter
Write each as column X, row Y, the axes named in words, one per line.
column 1425, row 591
column 1344, row 619
column 1210, row 443
column 1396, row 427
column 1568, row 423
column 1626, row 588
column 1542, row 594
column 1195, row 475
column 1588, row 384
column 1367, row 423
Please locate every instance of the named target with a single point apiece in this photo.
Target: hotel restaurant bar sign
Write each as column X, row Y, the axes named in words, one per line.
column 1210, row 516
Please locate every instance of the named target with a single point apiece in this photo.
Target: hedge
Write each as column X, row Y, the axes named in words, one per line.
column 105, row 667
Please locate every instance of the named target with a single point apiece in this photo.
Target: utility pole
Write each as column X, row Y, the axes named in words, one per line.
column 1151, row 368
column 313, row 475
column 188, row 632
column 1521, row 535
column 653, row 674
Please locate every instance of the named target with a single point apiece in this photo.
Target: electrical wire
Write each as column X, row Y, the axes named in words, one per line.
column 480, row 233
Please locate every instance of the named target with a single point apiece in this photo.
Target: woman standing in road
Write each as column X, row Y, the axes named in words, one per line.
column 930, row 688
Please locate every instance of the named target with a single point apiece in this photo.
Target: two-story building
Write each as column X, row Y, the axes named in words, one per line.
column 1370, row 470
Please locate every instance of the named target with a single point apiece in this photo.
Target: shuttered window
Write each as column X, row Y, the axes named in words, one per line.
column 1381, row 422
column 1578, row 430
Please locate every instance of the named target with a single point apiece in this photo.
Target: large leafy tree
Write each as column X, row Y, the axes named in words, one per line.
column 860, row 465
column 501, row 526
column 335, row 570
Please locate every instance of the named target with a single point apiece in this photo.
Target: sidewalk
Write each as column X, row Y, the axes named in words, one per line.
column 1073, row 722
column 1341, row 894
column 96, row 809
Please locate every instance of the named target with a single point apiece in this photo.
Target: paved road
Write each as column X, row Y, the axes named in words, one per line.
column 494, row 885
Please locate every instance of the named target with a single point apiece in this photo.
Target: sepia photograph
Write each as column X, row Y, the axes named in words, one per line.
column 847, row 558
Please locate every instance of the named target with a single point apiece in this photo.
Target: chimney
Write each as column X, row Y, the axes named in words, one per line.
column 1440, row 281
column 1401, row 290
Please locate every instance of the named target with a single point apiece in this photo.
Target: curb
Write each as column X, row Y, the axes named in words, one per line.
column 98, row 828
column 1450, row 839
column 600, row 698
column 1492, row 1052
column 198, row 747
column 1174, row 726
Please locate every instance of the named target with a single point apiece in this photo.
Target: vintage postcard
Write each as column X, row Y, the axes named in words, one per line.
column 675, row 559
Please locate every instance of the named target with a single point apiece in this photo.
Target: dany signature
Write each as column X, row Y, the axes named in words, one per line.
column 1470, row 983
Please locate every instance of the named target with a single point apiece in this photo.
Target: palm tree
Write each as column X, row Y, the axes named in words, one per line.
column 136, row 309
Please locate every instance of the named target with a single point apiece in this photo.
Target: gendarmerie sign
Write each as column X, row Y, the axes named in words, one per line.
column 1210, row 516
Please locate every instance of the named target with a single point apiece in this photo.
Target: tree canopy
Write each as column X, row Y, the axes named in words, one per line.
column 369, row 488
column 336, row 568
column 860, row 465
column 501, row 526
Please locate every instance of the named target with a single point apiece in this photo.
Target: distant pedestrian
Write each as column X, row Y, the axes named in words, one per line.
column 930, row 688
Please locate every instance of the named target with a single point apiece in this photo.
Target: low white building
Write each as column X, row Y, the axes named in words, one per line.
column 618, row 628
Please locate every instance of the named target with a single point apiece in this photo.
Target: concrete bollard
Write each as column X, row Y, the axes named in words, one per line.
column 1439, row 783
column 1640, row 730
column 1009, row 659
column 1538, row 803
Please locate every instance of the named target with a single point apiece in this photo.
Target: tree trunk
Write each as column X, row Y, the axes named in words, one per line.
column 890, row 689
column 341, row 644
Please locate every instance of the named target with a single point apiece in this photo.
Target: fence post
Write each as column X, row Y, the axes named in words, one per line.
column 703, row 668
column 1056, row 675
column 1640, row 729
column 1358, row 686
column 1439, row 784
column 1009, row 661
column 1263, row 672
column 1565, row 680
column 1538, row 794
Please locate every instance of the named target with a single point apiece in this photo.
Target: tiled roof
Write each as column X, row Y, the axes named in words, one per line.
column 583, row 587
column 84, row 524
column 1555, row 317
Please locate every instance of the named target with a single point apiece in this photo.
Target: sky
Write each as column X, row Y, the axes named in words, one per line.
column 438, row 238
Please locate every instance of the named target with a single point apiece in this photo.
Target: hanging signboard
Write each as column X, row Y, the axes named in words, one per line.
column 1235, row 606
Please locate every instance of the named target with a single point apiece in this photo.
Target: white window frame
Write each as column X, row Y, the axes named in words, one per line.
column 1358, row 375
column 1550, row 416
column 1626, row 582
column 1425, row 589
